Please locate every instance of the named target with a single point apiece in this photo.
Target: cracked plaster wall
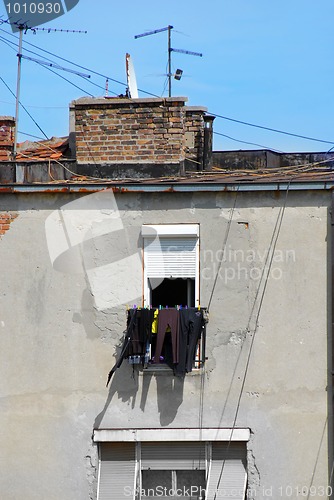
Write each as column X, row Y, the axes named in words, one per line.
column 58, row 341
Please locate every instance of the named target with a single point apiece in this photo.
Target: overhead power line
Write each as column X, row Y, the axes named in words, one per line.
column 65, row 79
column 246, row 142
column 25, row 109
column 78, row 65
column 271, row 129
column 49, row 62
column 242, row 122
column 55, row 66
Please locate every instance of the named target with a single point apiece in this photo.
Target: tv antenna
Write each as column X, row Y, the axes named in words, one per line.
column 178, row 73
column 23, row 27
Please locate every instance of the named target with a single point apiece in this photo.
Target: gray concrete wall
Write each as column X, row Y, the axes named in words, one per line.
column 63, row 312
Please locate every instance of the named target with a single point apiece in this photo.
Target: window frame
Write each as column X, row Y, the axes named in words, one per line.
column 206, row 438
column 152, row 231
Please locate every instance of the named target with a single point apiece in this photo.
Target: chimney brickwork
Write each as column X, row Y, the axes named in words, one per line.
column 7, row 134
column 154, row 131
column 194, row 137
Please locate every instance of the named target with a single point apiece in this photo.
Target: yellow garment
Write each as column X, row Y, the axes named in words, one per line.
column 155, row 322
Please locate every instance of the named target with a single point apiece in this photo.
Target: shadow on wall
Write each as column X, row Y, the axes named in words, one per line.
column 169, row 394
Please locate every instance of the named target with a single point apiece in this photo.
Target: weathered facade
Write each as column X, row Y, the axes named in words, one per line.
column 74, row 259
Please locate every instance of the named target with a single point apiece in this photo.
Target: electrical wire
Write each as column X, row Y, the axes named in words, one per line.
column 244, row 123
column 154, row 95
column 165, row 86
column 271, row 253
column 30, row 135
column 316, row 461
column 51, row 61
column 53, row 71
column 82, row 90
column 97, row 85
column 89, row 150
column 8, row 42
column 246, row 142
column 12, row 103
column 78, row 65
column 65, row 79
column 224, row 247
column 270, row 129
column 25, row 109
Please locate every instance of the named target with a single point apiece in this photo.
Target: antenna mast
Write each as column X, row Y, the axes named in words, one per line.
column 24, row 27
column 18, row 88
column 170, row 50
column 170, row 60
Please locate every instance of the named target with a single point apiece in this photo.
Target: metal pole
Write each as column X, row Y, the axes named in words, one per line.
column 18, row 86
column 170, row 61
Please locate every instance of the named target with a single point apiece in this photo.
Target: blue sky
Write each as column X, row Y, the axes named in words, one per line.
column 264, row 62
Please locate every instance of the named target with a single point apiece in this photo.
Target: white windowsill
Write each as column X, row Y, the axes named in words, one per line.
column 204, row 434
column 162, row 369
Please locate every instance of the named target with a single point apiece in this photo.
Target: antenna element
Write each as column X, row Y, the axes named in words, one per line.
column 179, row 72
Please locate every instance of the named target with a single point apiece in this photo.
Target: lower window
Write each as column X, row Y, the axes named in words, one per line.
column 172, row 470
column 182, row 484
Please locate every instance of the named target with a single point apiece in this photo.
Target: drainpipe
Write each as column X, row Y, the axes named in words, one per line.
column 331, row 359
column 72, row 136
column 208, row 140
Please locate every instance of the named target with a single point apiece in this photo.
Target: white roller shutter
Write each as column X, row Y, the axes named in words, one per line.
column 173, row 456
column 117, row 471
column 170, row 257
column 227, row 476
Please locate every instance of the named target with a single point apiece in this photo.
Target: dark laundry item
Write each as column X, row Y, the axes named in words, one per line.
column 145, row 329
column 168, row 317
column 135, row 346
column 179, row 346
column 190, row 330
column 195, row 332
column 140, row 332
column 125, row 345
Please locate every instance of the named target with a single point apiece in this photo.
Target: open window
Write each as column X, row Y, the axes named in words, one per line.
column 171, row 265
column 169, row 330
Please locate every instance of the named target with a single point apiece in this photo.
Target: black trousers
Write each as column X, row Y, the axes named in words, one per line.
column 139, row 330
column 190, row 327
column 168, row 317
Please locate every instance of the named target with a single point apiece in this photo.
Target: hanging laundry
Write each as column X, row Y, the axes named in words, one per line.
column 168, row 318
column 191, row 323
column 172, row 335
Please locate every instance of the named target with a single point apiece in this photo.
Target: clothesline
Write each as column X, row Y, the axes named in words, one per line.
column 147, row 328
column 177, row 307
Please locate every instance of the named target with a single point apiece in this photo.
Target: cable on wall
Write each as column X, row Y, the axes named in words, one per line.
column 271, row 252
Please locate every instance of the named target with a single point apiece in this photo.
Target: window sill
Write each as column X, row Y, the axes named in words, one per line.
column 158, row 368
column 163, row 369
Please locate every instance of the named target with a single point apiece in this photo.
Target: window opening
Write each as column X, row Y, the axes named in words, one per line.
column 172, row 291
column 171, row 279
column 181, row 482
column 171, row 265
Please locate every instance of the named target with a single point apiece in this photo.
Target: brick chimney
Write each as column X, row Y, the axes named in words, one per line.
column 7, row 134
column 138, row 137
